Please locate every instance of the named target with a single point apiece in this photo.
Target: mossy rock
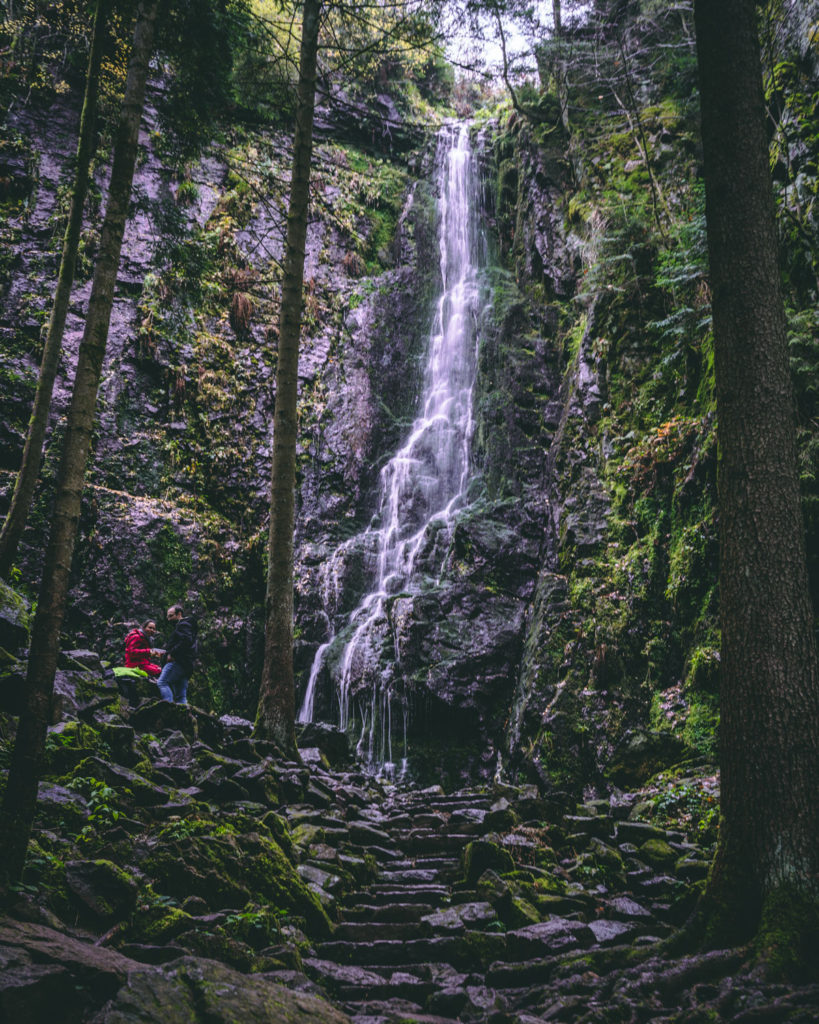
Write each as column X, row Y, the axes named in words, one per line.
column 657, row 854
column 217, row 945
column 479, row 948
column 15, row 618
column 60, row 808
column 227, row 870
column 256, row 926
column 68, row 745
column 642, row 754
column 545, row 857
column 483, row 854
column 198, row 866
column 157, row 925
column 45, row 870
column 304, row 836
column 130, row 786
column 501, row 820
column 277, row 826
column 492, row 888
column 606, row 856
column 518, row 913
column 101, row 888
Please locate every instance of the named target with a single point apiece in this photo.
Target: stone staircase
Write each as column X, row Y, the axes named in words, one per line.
column 437, row 937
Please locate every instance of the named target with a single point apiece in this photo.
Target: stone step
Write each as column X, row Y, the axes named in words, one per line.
column 401, row 875
column 425, row 862
column 430, row 889
column 389, row 892
column 433, row 813
column 389, row 912
column 435, row 842
column 375, row 931
column 393, row 1011
column 465, row 951
column 350, row 983
column 382, row 854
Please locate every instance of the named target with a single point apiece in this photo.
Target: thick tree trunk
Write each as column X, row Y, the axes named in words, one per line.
column 765, row 879
column 32, row 453
column 275, row 718
column 21, row 792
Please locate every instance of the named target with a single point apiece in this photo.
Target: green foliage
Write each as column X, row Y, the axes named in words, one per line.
column 690, row 804
column 201, row 40
column 257, row 926
column 102, row 811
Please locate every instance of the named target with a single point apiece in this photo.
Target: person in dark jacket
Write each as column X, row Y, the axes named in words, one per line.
column 181, row 655
column 138, row 650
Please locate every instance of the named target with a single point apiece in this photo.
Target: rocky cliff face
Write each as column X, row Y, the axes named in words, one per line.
column 525, row 644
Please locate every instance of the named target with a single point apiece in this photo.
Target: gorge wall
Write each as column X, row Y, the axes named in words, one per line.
column 570, row 635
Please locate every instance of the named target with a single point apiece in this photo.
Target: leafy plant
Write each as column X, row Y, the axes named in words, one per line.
column 102, row 813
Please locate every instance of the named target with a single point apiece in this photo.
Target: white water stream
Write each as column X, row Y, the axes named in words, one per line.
column 424, row 482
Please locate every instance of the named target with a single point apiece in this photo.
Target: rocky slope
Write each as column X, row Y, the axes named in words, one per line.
column 181, row 871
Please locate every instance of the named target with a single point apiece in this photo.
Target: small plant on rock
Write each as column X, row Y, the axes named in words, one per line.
column 102, row 813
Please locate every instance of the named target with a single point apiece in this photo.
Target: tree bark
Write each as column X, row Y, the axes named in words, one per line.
column 275, row 717
column 765, row 879
column 21, row 792
column 32, row 453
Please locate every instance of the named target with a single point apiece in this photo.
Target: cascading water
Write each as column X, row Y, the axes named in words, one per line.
column 424, row 482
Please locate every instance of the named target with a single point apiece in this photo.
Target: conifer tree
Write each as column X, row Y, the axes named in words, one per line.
column 275, row 717
column 21, row 792
column 28, row 474
column 765, row 878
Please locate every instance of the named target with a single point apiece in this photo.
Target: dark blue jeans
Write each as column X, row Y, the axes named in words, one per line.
column 173, row 683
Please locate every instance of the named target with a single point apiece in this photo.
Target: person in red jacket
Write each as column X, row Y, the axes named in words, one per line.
column 138, row 649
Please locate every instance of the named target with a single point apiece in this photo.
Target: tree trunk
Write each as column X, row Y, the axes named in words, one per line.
column 765, row 879
column 21, row 792
column 275, row 717
column 32, row 453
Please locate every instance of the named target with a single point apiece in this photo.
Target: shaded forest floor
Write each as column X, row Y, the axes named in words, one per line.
column 175, row 857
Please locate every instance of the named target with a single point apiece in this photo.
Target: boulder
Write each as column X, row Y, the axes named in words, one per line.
column 14, row 619
column 549, row 937
column 329, row 739
column 641, row 754
column 44, row 969
column 483, row 854
column 80, row 659
column 101, row 888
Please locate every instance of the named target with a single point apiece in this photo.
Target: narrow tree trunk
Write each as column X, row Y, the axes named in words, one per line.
column 560, row 69
column 32, row 453
column 275, row 718
column 21, row 792
column 765, row 879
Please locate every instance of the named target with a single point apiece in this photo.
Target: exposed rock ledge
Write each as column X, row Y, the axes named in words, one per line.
column 42, row 969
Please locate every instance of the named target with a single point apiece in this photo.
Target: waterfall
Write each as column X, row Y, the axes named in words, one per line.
column 424, row 482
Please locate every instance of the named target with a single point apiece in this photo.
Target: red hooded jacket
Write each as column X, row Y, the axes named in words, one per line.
column 138, row 653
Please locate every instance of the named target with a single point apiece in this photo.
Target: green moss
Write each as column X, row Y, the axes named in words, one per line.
column 519, row 913
column 481, row 855
column 69, row 746
column 45, row 874
column 479, row 948
column 15, row 606
column 255, row 926
column 228, row 870
column 788, row 937
column 657, row 853
column 158, row 924
column 218, row 945
column 701, row 727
